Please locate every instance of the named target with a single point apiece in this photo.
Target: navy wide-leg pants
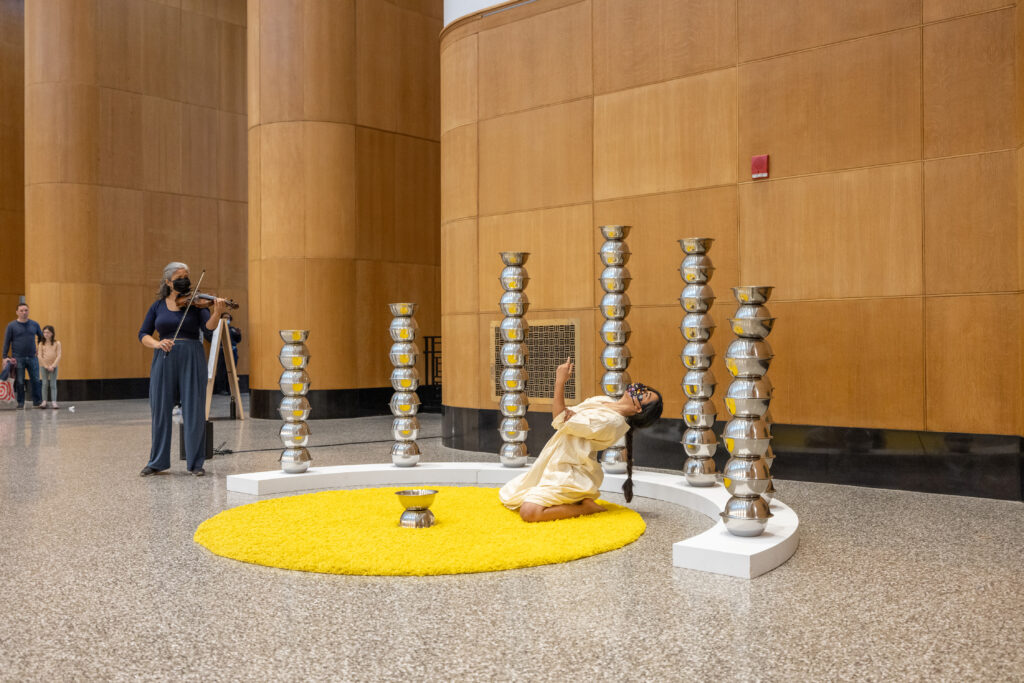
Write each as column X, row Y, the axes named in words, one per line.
column 178, row 376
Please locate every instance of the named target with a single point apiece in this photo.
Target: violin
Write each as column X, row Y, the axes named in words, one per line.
column 202, row 300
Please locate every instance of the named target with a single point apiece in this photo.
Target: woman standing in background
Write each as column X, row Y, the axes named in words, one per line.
column 49, row 359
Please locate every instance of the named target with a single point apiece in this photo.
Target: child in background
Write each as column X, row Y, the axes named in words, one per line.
column 49, row 359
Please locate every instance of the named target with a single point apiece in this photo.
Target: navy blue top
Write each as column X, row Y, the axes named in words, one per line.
column 161, row 320
column 21, row 338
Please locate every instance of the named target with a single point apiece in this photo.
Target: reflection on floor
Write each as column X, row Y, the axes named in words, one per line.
column 101, row 580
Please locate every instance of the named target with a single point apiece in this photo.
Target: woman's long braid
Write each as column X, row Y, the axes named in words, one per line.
column 627, row 486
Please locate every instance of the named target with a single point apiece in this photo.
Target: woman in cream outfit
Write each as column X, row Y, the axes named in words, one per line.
column 565, row 480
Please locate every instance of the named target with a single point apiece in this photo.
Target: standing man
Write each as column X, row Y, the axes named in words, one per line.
column 20, row 339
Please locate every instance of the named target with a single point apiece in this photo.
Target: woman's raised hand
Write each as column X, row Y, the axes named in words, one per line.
column 564, row 371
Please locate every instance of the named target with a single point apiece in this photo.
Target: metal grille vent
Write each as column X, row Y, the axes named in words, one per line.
column 549, row 344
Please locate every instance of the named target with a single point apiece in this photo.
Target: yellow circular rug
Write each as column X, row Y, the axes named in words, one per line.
column 357, row 532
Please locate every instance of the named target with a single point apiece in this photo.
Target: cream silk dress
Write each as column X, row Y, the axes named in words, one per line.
column 567, row 471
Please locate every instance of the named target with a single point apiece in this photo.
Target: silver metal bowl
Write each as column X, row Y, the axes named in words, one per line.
column 752, row 321
column 514, row 379
column 295, row 460
column 404, row 354
column 404, row 404
column 294, row 408
column 294, row 356
column 417, row 519
column 615, row 332
column 615, row 280
column 403, row 309
column 294, row 434
column 405, row 428
column 696, row 245
column 752, row 294
column 293, row 336
column 748, row 357
column 746, row 477
column 514, row 429
column 769, row 495
column 514, row 278
column 696, row 269
column 614, row 383
column 514, row 404
column 614, row 253
column 615, row 306
column 698, row 355
column 746, row 516
column 416, row 499
column 294, row 382
column 697, row 326
column 403, row 329
column 613, row 460
column 769, row 458
column 615, row 357
column 514, row 258
column 699, row 384
column 749, row 397
column 514, row 329
column 699, row 443
column 746, row 437
column 697, row 298
column 405, row 453
column 514, row 304
column 514, row 354
column 699, row 413
column 405, row 379
column 615, row 232
column 513, row 454
column 700, row 472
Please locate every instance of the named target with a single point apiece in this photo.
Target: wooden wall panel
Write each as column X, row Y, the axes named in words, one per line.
column 282, row 179
column 850, row 234
column 231, row 254
column 161, row 145
column 537, row 61
column 329, row 57
column 61, row 144
column 199, row 147
column 936, row 10
column 65, row 215
column 417, row 201
column 561, row 250
column 119, row 227
column 459, row 173
column 778, row 26
column 671, row 136
column 854, row 362
column 232, row 63
column 969, row 84
column 375, row 193
column 200, row 59
column 328, row 152
column 536, row 158
column 460, row 268
column 161, row 70
column 120, row 138
column 72, row 25
column 649, row 41
column 974, row 369
column 461, row 337
column 971, row 224
column 12, row 153
column 230, row 157
column 829, row 108
column 459, row 92
column 659, row 221
column 119, row 44
column 279, row 31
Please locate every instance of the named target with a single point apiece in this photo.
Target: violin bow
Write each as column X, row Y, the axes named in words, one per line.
column 195, row 290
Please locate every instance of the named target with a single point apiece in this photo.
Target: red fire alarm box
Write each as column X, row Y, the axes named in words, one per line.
column 759, row 166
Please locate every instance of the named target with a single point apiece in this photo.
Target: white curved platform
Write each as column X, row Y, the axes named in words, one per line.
column 715, row 550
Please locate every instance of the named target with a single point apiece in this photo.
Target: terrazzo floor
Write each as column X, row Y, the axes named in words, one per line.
column 101, row 581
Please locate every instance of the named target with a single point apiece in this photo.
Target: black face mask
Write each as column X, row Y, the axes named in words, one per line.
column 182, row 285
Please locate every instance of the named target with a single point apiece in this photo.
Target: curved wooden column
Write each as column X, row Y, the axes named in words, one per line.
column 344, row 189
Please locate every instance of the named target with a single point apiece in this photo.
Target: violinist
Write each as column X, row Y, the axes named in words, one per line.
column 178, row 370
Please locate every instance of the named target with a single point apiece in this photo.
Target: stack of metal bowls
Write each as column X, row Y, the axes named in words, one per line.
column 514, row 330
column 748, row 434
column 405, row 379
column 699, row 413
column 614, row 280
column 294, row 409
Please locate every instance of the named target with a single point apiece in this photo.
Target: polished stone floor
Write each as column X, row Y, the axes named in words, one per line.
column 101, row 581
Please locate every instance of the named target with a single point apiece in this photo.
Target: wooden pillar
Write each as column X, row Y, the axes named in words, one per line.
column 343, row 188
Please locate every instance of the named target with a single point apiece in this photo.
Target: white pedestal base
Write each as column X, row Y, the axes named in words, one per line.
column 715, row 550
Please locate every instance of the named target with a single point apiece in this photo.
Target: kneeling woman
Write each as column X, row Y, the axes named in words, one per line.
column 565, row 480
